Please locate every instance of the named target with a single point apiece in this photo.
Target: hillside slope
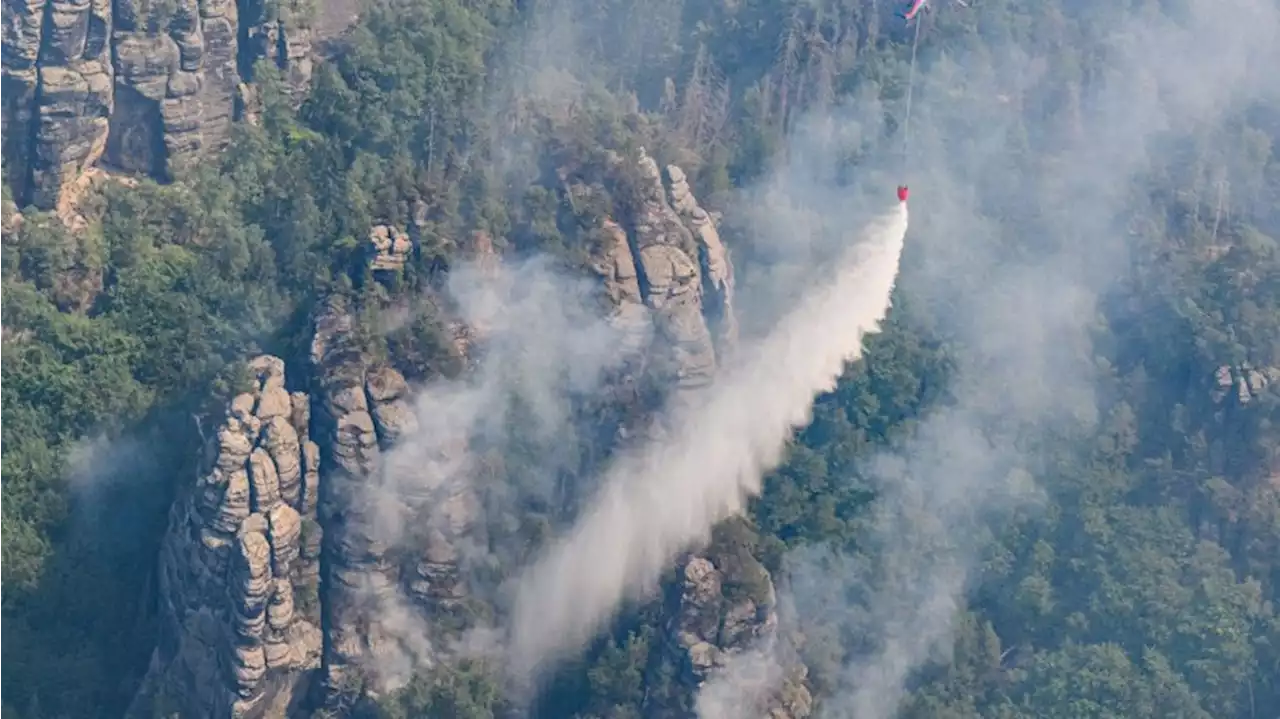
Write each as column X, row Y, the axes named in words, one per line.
column 331, row 348
column 138, row 87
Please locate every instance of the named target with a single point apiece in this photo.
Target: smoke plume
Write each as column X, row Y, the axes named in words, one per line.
column 665, row 498
column 540, row 348
column 1018, row 297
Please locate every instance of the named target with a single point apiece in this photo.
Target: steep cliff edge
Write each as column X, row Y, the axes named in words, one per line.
column 142, row 87
column 672, row 273
column 239, row 569
column 300, row 557
column 678, row 267
column 363, row 410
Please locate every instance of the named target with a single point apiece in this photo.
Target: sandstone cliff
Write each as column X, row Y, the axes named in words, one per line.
column 1244, row 381
column 146, row 87
column 676, row 268
column 301, row 559
column 362, row 410
column 239, row 569
column 726, row 619
column 671, row 273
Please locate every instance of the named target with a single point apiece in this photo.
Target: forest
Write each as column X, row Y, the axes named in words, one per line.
column 1092, row 299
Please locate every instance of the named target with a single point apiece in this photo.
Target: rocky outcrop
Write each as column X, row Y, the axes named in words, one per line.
column 146, row 87
column 352, row 471
column 727, row 621
column 394, row 513
column 713, row 257
column 1244, row 381
column 239, row 568
column 281, row 32
column 244, row 600
column 389, row 248
column 615, row 265
column 727, row 605
column 669, row 280
column 673, row 274
column 707, row 624
column 57, row 92
column 672, row 281
column 175, row 88
column 357, row 561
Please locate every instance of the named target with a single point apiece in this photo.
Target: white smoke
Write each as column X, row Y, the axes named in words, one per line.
column 743, row 686
column 1026, row 361
column 433, row 492
column 665, row 498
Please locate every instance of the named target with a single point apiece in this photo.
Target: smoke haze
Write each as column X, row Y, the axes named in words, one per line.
column 664, row 498
column 541, row 349
column 1019, row 300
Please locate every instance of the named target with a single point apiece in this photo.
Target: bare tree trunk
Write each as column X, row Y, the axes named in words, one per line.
column 1217, row 214
column 431, row 139
column 788, row 59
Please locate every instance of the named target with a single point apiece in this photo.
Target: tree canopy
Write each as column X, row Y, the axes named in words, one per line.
column 1144, row 585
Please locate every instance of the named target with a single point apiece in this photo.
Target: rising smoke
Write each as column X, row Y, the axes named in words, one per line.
column 1025, row 362
column 1022, row 325
column 543, row 349
column 664, row 498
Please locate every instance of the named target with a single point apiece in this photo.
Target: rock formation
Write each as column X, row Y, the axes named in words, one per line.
column 281, row 32
column 326, row 472
column 669, row 281
column 675, row 275
column 672, row 279
column 376, row 505
column 241, row 573
column 147, row 87
column 358, row 562
column 617, row 268
column 1246, row 380
column 240, row 565
column 721, row 620
column 717, row 270
column 388, row 248
column 707, row 624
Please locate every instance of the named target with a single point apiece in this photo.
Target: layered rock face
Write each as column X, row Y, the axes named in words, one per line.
column 1244, row 381
column 377, row 504
column 147, row 87
column 717, row 270
column 358, row 561
column 707, row 625
column 253, row 616
column 239, row 568
column 245, row 627
column 716, row 627
column 672, row 280
column 674, row 273
column 389, row 248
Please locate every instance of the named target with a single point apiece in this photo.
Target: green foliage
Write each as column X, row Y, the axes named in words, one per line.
column 734, row 545
column 1099, row 681
column 121, row 332
column 467, row 691
column 1146, row 587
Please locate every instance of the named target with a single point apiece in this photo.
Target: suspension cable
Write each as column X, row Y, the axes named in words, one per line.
column 911, row 82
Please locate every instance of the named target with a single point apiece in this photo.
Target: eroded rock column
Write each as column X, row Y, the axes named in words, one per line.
column 58, row 97
column 396, row 506
column 239, row 566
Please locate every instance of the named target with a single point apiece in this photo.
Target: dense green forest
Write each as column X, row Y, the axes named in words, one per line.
column 1145, row 581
